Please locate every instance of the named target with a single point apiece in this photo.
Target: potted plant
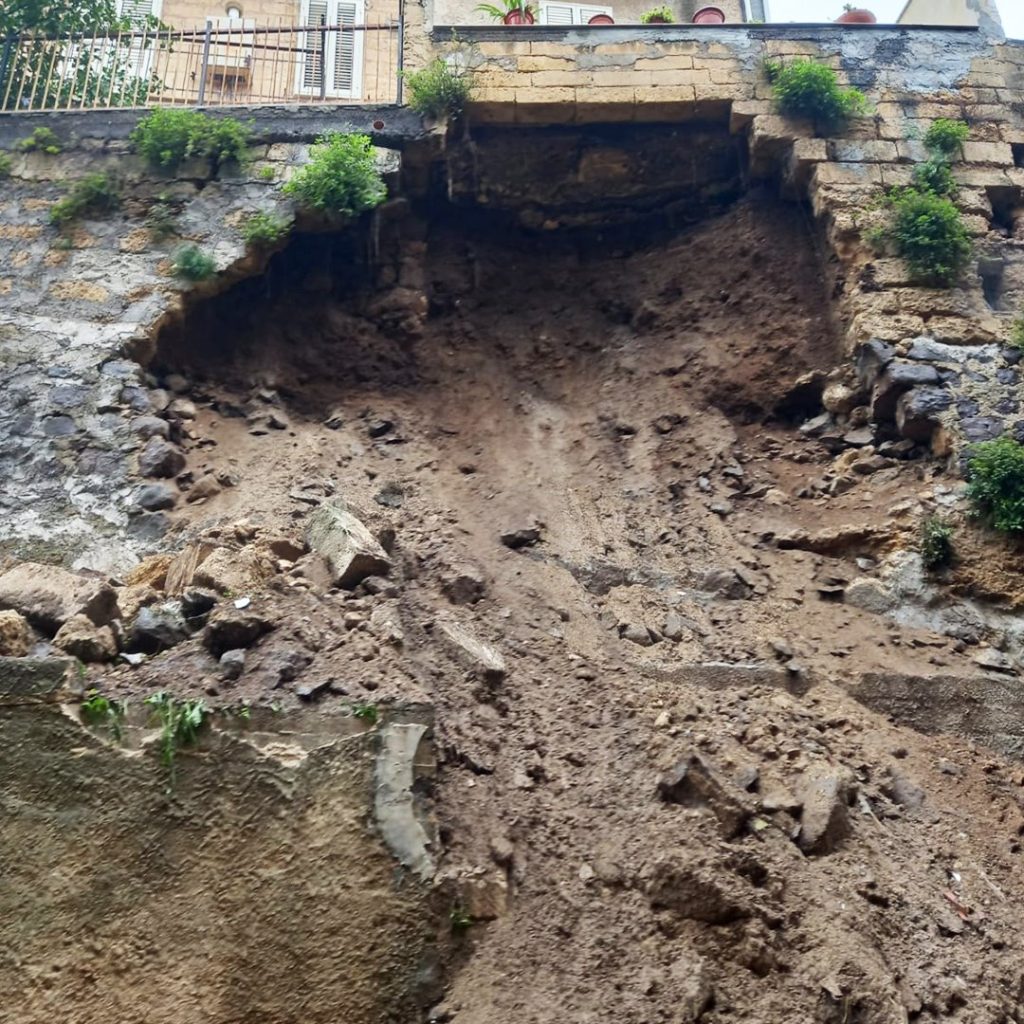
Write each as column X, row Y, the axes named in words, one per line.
column 510, row 12
column 601, row 19
column 657, row 16
column 856, row 16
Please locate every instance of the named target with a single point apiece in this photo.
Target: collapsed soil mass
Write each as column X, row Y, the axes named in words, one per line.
column 635, row 405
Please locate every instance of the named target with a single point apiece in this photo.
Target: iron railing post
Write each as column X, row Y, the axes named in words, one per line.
column 323, row 61
column 401, row 50
column 205, row 63
column 5, row 60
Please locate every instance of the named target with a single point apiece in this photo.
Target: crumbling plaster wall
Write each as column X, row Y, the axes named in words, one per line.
column 257, row 887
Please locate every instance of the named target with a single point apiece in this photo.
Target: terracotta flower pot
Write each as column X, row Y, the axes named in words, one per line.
column 520, row 17
column 601, row 19
column 709, row 16
column 858, row 16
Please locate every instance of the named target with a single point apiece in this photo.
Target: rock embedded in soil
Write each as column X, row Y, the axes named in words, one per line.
column 156, row 497
column 84, row 640
column 232, row 664
column 696, row 782
column 351, row 551
column 150, row 426
column 523, row 538
column 474, row 654
column 15, row 635
column 824, row 792
column 160, row 458
column 230, row 629
column 464, row 584
column 48, row 596
column 205, row 487
column 158, row 627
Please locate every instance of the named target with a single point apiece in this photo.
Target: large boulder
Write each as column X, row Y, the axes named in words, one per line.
column 48, row 596
column 350, row 550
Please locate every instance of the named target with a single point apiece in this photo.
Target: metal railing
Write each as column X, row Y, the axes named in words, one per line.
column 219, row 63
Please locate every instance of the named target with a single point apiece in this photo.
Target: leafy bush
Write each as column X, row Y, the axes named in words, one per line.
column 805, row 88
column 265, row 229
column 500, row 10
column 192, row 264
column 267, row 173
column 42, row 140
column 930, row 235
column 936, row 542
column 656, row 14
column 5, row 165
column 95, row 194
column 438, row 90
column 946, row 137
column 996, row 486
column 341, row 176
column 167, row 137
column 934, row 175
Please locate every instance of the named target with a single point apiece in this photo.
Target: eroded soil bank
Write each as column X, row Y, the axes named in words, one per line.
column 621, row 575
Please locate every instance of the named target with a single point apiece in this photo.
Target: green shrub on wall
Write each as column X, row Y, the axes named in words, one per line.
column 96, row 194
column 192, row 264
column 996, row 483
column 946, row 137
column 262, row 229
column 439, row 89
column 930, row 235
column 340, row 178
column 166, row 138
column 805, row 88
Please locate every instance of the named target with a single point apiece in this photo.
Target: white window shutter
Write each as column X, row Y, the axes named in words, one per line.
column 136, row 11
column 345, row 49
column 556, row 14
column 569, row 14
column 313, row 63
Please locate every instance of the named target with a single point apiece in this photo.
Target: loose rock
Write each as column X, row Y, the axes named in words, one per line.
column 15, row 635
column 160, row 458
column 84, row 640
column 351, row 551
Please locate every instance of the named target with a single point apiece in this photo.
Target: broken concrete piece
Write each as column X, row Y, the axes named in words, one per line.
column 351, row 551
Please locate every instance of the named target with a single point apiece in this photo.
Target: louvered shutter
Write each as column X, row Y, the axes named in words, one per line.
column 313, row 59
column 345, row 48
column 569, row 14
column 137, row 11
column 556, row 14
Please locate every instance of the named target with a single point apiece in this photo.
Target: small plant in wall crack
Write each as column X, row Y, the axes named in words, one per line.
column 104, row 712
column 95, row 195
column 180, row 724
column 261, row 230
column 460, row 919
column 1017, row 333
column 368, row 713
column 192, row 264
column 925, row 226
column 42, row 140
column 936, row 543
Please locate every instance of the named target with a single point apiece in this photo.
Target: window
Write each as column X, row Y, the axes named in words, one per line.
column 138, row 11
column 339, row 50
column 569, row 14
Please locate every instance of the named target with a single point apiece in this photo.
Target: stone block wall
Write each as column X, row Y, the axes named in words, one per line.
column 530, row 77
column 257, row 886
